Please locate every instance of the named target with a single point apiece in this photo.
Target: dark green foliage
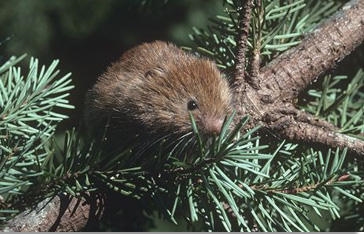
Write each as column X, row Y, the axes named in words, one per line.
column 28, row 117
column 277, row 25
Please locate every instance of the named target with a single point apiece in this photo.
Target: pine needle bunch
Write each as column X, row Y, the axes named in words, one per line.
column 230, row 183
column 29, row 106
column 210, row 171
column 340, row 101
column 277, row 26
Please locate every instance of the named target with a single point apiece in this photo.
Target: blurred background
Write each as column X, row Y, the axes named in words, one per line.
column 87, row 35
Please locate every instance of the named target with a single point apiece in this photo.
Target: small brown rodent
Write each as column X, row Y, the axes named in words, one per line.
column 152, row 88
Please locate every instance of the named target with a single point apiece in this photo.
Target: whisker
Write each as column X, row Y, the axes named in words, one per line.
column 177, row 143
column 148, row 145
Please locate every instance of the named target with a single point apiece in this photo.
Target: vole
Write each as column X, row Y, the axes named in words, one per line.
column 152, row 89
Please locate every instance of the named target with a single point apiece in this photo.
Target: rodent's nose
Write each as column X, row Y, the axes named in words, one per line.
column 213, row 126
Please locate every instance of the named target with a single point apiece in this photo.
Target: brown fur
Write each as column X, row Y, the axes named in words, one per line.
column 150, row 86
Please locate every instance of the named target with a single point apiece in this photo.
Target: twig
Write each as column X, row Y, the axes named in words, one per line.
column 255, row 58
column 301, row 189
column 244, row 23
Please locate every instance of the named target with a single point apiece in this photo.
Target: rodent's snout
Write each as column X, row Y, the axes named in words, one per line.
column 212, row 126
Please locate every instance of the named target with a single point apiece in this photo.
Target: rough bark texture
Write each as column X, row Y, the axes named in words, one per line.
column 320, row 51
column 269, row 104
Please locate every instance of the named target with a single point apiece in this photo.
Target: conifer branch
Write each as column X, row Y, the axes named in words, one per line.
column 298, row 131
column 284, row 77
column 321, row 50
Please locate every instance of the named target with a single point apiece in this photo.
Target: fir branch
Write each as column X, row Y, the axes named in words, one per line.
column 28, row 118
column 303, row 132
column 329, row 43
column 281, row 80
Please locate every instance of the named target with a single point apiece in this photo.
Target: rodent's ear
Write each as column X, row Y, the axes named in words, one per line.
column 154, row 72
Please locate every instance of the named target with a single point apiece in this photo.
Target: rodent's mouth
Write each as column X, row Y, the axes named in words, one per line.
column 212, row 126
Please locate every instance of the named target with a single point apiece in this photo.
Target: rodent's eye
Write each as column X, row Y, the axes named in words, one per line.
column 192, row 105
